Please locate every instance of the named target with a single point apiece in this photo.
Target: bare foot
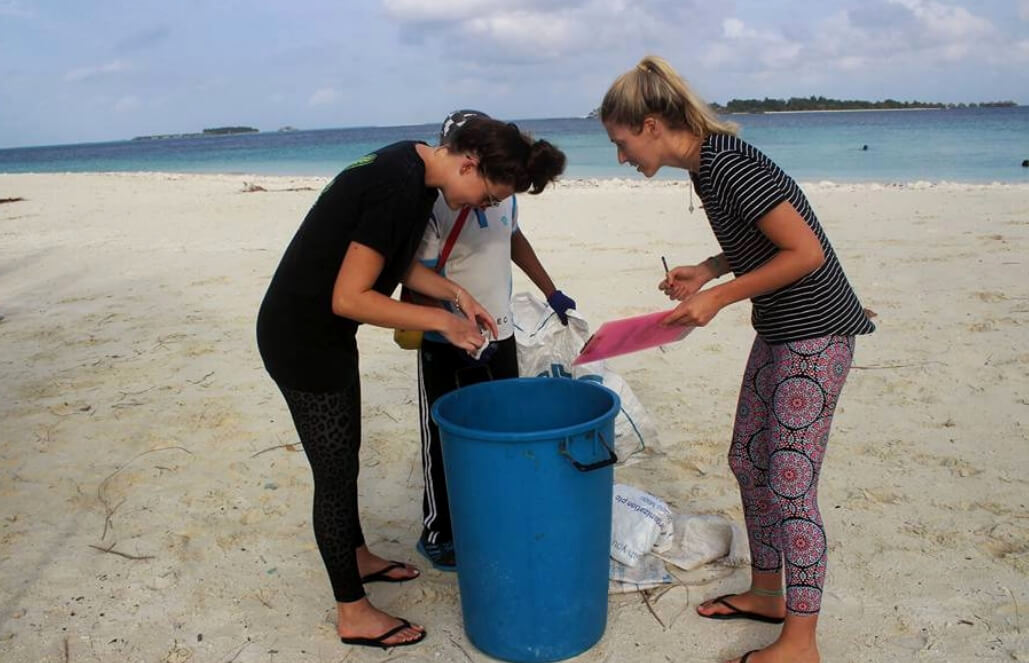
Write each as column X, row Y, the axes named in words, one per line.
column 367, row 564
column 360, row 619
column 782, row 653
column 769, row 606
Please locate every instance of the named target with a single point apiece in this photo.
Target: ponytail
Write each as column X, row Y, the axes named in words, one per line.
column 653, row 87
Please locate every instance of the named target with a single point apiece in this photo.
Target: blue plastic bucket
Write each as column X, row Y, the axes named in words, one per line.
column 529, row 473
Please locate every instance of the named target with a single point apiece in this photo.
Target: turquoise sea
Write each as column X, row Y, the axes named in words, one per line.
column 963, row 145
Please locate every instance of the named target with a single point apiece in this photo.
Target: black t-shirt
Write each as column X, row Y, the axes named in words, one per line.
column 739, row 185
column 380, row 201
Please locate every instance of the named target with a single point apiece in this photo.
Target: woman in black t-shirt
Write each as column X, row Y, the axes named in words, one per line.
column 806, row 316
column 355, row 246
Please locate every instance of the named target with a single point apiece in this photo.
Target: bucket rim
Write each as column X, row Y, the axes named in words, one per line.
column 528, row 436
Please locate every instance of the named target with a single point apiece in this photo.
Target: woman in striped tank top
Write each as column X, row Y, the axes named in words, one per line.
column 806, row 317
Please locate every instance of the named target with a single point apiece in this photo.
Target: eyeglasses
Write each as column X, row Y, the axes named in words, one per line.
column 490, row 200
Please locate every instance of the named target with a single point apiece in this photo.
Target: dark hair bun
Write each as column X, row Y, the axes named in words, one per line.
column 544, row 165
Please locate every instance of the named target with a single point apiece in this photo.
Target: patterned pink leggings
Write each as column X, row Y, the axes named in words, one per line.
column 782, row 426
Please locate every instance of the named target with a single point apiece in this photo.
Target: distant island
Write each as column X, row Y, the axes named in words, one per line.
column 216, row 131
column 798, row 104
column 813, row 103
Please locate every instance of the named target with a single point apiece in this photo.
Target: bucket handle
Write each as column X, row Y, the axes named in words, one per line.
column 610, row 460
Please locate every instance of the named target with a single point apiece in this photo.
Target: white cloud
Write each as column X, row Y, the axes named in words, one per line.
column 717, row 55
column 870, row 45
column 1023, row 10
column 437, row 10
column 741, row 46
column 923, row 35
column 852, row 62
column 324, row 97
column 946, row 22
column 84, row 73
column 733, row 28
column 127, row 104
column 533, row 35
column 532, row 31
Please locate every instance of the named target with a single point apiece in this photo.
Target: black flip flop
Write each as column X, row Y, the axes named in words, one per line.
column 382, row 575
column 380, row 641
column 739, row 614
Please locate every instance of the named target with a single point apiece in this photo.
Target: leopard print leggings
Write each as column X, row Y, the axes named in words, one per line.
column 329, row 426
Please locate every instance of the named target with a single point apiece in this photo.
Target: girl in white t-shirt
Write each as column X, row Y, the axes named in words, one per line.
column 484, row 241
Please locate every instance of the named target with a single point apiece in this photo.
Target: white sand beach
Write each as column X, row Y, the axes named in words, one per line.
column 154, row 504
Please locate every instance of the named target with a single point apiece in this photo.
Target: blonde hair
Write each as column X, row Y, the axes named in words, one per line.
column 653, row 87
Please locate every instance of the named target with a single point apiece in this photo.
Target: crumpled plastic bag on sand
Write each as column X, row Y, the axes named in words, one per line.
column 697, row 540
column 649, row 573
column 693, row 541
column 640, row 523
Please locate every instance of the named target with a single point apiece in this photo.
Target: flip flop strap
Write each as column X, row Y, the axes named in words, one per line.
column 383, row 572
column 393, row 631
column 392, row 565
column 723, row 601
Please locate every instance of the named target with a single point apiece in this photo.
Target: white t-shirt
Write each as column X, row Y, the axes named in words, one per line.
column 480, row 261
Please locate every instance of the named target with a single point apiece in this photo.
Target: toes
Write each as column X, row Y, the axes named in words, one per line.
column 405, row 571
column 407, row 635
column 707, row 608
column 714, row 608
column 416, row 628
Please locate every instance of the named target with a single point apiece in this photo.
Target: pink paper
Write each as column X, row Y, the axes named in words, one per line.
column 619, row 337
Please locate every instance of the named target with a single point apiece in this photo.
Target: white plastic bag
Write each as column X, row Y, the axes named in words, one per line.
column 640, row 523
column 547, row 348
column 650, row 572
column 698, row 540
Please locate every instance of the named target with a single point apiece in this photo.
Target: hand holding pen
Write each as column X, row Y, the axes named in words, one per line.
column 683, row 281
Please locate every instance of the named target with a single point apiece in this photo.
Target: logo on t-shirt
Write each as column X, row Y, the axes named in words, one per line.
column 363, row 161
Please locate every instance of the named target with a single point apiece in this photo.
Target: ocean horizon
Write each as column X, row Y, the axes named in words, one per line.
column 975, row 145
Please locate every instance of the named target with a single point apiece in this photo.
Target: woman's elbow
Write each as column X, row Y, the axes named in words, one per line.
column 815, row 258
column 342, row 305
column 808, row 258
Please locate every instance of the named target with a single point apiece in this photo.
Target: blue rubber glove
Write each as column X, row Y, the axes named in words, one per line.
column 561, row 302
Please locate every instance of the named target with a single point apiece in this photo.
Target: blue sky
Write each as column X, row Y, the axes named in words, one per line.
column 92, row 70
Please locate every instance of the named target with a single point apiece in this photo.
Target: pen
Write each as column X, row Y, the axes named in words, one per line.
column 665, row 263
